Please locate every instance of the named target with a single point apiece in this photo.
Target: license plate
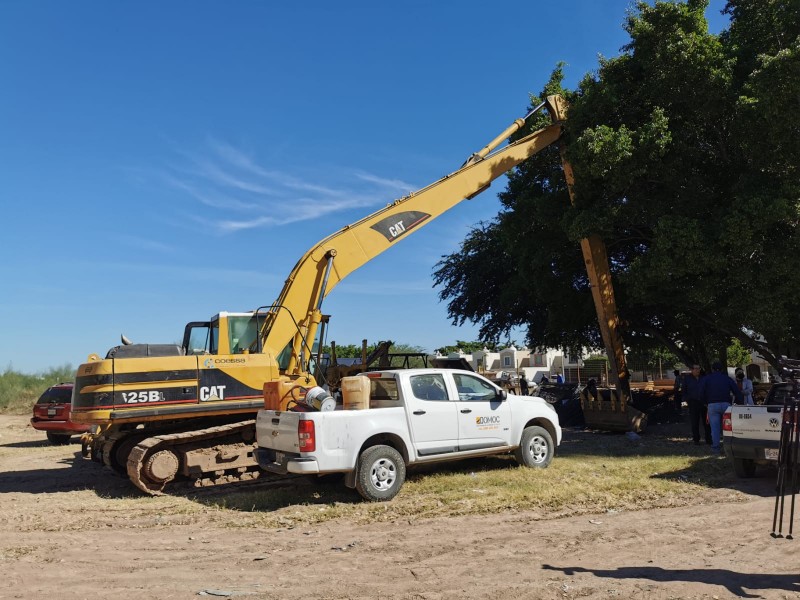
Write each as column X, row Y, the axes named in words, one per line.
column 771, row 453
column 279, row 456
column 51, row 412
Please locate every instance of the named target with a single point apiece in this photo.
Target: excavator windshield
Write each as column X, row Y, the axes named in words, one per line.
column 242, row 333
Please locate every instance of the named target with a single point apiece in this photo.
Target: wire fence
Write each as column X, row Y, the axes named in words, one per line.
column 640, row 371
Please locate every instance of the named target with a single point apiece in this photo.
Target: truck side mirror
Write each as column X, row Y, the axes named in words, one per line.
column 501, row 395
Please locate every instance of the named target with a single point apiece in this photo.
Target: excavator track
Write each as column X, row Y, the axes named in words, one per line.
column 204, row 458
column 114, row 451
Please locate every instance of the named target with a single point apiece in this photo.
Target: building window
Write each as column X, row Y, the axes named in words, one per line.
column 506, row 361
column 538, row 360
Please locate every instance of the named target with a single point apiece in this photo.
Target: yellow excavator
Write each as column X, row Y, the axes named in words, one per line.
column 162, row 413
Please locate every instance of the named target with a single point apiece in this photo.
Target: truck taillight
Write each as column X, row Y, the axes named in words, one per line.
column 726, row 422
column 305, row 435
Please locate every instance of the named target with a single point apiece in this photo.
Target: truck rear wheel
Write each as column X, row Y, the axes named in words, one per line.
column 744, row 467
column 380, row 474
column 536, row 448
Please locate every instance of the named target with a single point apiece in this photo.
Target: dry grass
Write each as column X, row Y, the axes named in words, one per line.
column 19, row 391
column 591, row 473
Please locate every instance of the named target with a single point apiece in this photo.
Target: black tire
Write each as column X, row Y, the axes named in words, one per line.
column 536, row 448
column 744, row 467
column 380, row 474
column 58, row 439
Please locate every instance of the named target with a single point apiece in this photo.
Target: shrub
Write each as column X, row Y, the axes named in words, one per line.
column 19, row 391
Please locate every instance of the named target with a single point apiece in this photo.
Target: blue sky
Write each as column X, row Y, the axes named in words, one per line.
column 161, row 162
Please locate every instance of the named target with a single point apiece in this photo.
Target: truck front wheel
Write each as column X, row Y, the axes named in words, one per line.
column 536, row 448
column 744, row 467
column 380, row 474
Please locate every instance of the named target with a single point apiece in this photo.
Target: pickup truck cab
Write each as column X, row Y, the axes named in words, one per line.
column 751, row 434
column 415, row 416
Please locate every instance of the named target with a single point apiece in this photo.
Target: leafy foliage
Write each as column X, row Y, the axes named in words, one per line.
column 468, row 347
column 738, row 355
column 354, row 351
column 19, row 391
column 685, row 150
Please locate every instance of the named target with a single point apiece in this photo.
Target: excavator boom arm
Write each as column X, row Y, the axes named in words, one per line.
column 619, row 415
column 297, row 309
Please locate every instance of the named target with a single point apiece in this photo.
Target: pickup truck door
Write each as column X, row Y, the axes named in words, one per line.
column 432, row 415
column 484, row 421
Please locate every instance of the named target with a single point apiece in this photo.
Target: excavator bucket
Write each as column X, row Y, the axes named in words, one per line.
column 607, row 413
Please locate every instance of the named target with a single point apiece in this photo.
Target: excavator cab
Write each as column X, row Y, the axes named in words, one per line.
column 225, row 333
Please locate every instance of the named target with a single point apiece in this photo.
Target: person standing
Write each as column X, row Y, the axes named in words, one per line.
column 591, row 389
column 523, row 385
column 716, row 391
column 676, row 393
column 745, row 386
column 690, row 387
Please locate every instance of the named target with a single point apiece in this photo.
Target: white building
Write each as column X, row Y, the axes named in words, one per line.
column 532, row 363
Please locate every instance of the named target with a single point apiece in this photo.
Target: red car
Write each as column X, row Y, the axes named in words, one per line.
column 51, row 413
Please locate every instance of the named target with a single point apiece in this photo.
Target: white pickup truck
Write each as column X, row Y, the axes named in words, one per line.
column 751, row 434
column 415, row 416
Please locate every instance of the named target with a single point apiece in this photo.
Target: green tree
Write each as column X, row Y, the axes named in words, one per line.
column 468, row 347
column 764, row 40
column 738, row 355
column 19, row 391
column 354, row 351
column 685, row 156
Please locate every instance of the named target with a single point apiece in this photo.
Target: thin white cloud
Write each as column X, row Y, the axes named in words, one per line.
column 219, row 177
column 218, row 201
column 226, row 178
column 243, row 161
column 395, row 184
column 234, row 226
column 302, row 210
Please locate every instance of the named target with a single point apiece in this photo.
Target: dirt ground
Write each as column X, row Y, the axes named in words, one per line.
column 69, row 529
